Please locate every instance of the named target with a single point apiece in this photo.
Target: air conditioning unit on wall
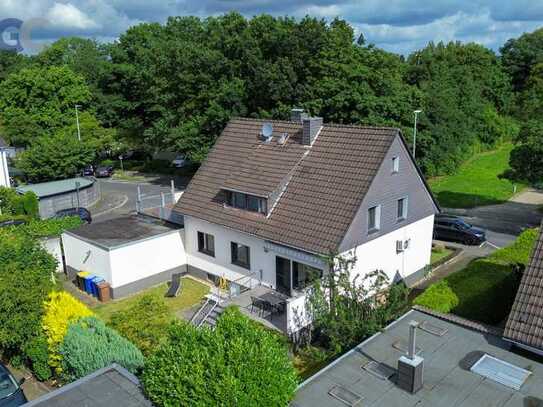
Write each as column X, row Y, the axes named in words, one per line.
column 402, row 245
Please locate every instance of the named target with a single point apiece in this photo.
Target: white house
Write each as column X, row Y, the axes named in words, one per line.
column 273, row 198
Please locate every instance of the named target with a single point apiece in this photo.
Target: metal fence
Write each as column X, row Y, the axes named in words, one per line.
column 159, row 206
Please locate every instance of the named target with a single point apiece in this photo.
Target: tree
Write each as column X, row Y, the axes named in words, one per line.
column 26, row 271
column 55, row 157
column 13, row 203
column 90, row 345
column 345, row 309
column 38, row 101
column 237, row 364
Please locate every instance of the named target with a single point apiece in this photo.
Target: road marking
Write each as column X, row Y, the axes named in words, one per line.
column 490, row 244
column 125, row 200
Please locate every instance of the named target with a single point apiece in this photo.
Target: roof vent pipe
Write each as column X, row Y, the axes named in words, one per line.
column 410, row 367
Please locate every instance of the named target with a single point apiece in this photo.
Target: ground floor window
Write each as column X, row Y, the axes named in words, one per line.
column 206, row 243
column 294, row 275
column 241, row 255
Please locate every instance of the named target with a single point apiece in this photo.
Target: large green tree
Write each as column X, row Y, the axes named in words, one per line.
column 38, row 101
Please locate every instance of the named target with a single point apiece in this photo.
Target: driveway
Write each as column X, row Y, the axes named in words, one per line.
column 119, row 197
column 509, row 218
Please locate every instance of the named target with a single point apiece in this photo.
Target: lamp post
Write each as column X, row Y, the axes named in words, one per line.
column 77, row 121
column 416, row 112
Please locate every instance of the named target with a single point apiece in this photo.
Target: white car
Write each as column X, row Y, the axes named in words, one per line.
column 179, row 161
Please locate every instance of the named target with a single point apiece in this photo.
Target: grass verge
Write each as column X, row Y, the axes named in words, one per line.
column 191, row 294
column 477, row 182
column 438, row 255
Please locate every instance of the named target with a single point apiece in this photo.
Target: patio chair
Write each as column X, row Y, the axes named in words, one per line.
column 261, row 305
column 175, row 286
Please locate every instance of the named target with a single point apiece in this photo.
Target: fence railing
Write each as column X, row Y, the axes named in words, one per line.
column 160, row 205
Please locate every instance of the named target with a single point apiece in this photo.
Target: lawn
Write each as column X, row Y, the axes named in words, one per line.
column 437, row 255
column 477, row 183
column 485, row 290
column 192, row 293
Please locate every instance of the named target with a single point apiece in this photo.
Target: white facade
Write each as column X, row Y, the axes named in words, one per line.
column 4, row 172
column 129, row 263
column 382, row 254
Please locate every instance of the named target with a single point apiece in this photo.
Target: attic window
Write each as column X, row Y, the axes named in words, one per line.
column 245, row 201
column 395, row 165
column 500, row 371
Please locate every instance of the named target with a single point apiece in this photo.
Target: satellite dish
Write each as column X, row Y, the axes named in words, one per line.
column 267, row 130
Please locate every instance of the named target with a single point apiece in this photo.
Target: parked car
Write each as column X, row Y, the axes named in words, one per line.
column 455, row 229
column 88, row 171
column 12, row 222
column 11, row 393
column 104, row 172
column 180, row 161
column 83, row 214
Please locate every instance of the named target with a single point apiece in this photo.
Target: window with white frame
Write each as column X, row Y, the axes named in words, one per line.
column 206, row 243
column 374, row 218
column 401, row 213
column 395, row 165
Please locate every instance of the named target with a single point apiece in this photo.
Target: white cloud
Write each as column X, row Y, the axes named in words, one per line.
column 69, row 16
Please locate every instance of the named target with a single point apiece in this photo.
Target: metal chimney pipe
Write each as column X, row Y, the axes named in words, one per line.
column 412, row 348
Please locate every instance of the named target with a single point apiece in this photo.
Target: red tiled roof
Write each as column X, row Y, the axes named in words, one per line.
column 525, row 322
column 325, row 183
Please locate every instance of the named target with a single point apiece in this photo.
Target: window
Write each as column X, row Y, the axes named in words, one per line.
column 206, row 244
column 244, row 201
column 402, row 209
column 240, row 255
column 303, row 275
column 395, row 165
column 374, row 219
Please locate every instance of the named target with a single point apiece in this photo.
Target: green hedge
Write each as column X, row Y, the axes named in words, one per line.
column 145, row 323
column 90, row 345
column 237, row 364
column 37, row 352
column 13, row 203
column 438, row 297
column 51, row 227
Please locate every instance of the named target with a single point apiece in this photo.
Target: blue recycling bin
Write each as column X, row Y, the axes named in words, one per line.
column 88, row 283
column 95, row 281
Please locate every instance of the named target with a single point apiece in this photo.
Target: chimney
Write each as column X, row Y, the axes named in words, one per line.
column 410, row 367
column 311, row 127
column 297, row 115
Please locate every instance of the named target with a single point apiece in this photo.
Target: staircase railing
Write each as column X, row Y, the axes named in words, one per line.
column 207, row 315
column 239, row 280
column 199, row 311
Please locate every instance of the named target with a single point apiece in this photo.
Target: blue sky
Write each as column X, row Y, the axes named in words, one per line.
column 395, row 25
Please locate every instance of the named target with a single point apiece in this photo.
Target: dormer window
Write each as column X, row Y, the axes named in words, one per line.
column 248, row 202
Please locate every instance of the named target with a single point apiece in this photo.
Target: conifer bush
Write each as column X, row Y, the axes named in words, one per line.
column 90, row 345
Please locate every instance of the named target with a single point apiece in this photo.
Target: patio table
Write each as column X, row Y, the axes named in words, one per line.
column 274, row 300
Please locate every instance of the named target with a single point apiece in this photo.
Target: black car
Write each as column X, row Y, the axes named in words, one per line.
column 88, row 171
column 455, row 229
column 83, row 213
column 103, row 172
column 11, row 394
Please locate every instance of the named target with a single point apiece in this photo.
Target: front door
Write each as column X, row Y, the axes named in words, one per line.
column 282, row 275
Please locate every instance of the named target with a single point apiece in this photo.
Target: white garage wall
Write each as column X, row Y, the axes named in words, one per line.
column 146, row 258
column 83, row 256
column 52, row 246
column 380, row 253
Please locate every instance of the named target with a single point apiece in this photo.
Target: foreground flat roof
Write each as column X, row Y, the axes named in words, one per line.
column 448, row 380
column 45, row 189
column 122, row 230
column 112, row 386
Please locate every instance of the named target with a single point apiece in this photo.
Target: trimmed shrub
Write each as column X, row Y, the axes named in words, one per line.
column 25, row 281
column 519, row 252
column 90, row 345
column 438, row 297
column 145, row 322
column 37, row 352
column 51, row 227
column 237, row 364
column 61, row 309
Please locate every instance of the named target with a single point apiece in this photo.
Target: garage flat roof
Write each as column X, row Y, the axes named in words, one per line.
column 110, row 386
column 449, row 348
column 45, row 189
column 122, row 230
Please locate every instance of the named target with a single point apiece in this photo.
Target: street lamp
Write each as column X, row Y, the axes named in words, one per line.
column 416, row 112
column 77, row 121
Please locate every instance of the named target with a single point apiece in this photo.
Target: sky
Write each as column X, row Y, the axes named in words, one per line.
column 400, row 26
